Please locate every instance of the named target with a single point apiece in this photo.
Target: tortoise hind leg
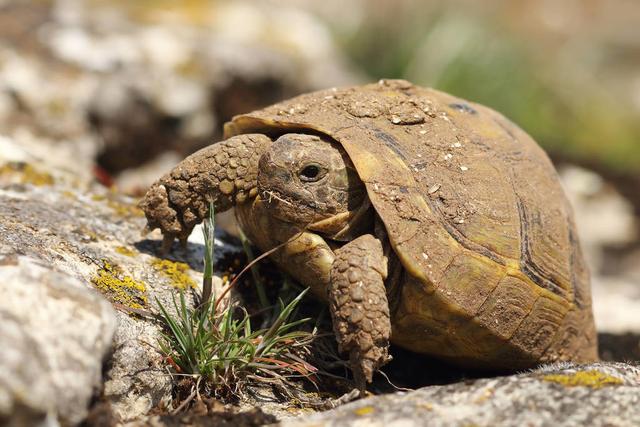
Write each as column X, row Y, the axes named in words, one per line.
column 359, row 306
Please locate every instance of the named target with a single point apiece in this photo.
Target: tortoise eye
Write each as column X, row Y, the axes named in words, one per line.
column 311, row 173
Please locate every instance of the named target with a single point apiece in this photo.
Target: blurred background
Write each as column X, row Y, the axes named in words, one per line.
column 120, row 91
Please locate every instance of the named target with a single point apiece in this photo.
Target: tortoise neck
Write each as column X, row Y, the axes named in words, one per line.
column 346, row 226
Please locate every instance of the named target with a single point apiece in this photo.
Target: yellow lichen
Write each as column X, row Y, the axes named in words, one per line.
column 427, row 406
column 87, row 235
column 91, row 235
column 25, row 173
column 123, row 250
column 194, row 12
column 120, row 288
column 592, row 378
column 177, row 272
column 124, row 209
column 365, row 410
column 120, row 208
column 486, row 394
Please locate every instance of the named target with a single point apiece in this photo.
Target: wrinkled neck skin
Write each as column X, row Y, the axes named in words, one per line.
column 310, row 183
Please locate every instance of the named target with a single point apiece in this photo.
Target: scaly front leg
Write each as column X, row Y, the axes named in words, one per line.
column 359, row 306
column 224, row 173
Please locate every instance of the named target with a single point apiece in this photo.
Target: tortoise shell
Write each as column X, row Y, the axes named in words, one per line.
column 474, row 211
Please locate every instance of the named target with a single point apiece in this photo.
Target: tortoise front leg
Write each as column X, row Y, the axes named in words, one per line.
column 359, row 306
column 224, row 173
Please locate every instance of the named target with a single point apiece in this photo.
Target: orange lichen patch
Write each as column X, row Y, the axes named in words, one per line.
column 123, row 250
column 118, row 287
column 24, row 173
column 592, row 379
column 177, row 272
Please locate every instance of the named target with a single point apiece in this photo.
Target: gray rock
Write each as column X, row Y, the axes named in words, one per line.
column 89, row 236
column 606, row 221
column 557, row 395
column 112, row 83
column 54, row 334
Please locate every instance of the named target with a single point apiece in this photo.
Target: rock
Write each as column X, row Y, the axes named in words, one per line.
column 199, row 416
column 89, row 241
column 604, row 218
column 600, row 394
column 54, row 334
column 608, row 232
column 117, row 84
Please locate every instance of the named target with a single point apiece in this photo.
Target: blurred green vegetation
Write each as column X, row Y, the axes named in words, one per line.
column 556, row 99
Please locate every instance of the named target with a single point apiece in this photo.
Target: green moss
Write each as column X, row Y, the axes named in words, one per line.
column 123, row 250
column 177, row 272
column 26, row 174
column 120, row 288
column 592, row 379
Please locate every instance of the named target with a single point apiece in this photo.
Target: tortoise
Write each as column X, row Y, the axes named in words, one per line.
column 423, row 220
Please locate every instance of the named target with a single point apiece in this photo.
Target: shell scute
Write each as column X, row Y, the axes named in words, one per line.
column 507, row 306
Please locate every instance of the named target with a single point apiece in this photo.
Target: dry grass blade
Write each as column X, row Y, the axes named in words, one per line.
column 252, row 263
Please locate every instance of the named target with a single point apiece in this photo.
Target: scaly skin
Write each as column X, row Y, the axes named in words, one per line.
column 305, row 256
column 359, row 306
column 224, row 173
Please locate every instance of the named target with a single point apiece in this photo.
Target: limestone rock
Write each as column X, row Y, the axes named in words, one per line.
column 54, row 334
column 121, row 83
column 557, row 395
column 606, row 222
column 89, row 236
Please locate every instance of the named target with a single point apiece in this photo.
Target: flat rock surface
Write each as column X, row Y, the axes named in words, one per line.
column 600, row 394
column 90, row 236
column 54, row 335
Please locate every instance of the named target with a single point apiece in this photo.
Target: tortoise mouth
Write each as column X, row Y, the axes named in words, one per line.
column 341, row 226
column 289, row 208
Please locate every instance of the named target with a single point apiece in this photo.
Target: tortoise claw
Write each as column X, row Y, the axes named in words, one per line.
column 146, row 230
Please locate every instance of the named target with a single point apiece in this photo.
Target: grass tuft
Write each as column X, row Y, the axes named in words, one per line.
column 216, row 345
column 223, row 352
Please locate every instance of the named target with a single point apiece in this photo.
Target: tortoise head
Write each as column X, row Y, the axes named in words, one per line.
column 309, row 181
